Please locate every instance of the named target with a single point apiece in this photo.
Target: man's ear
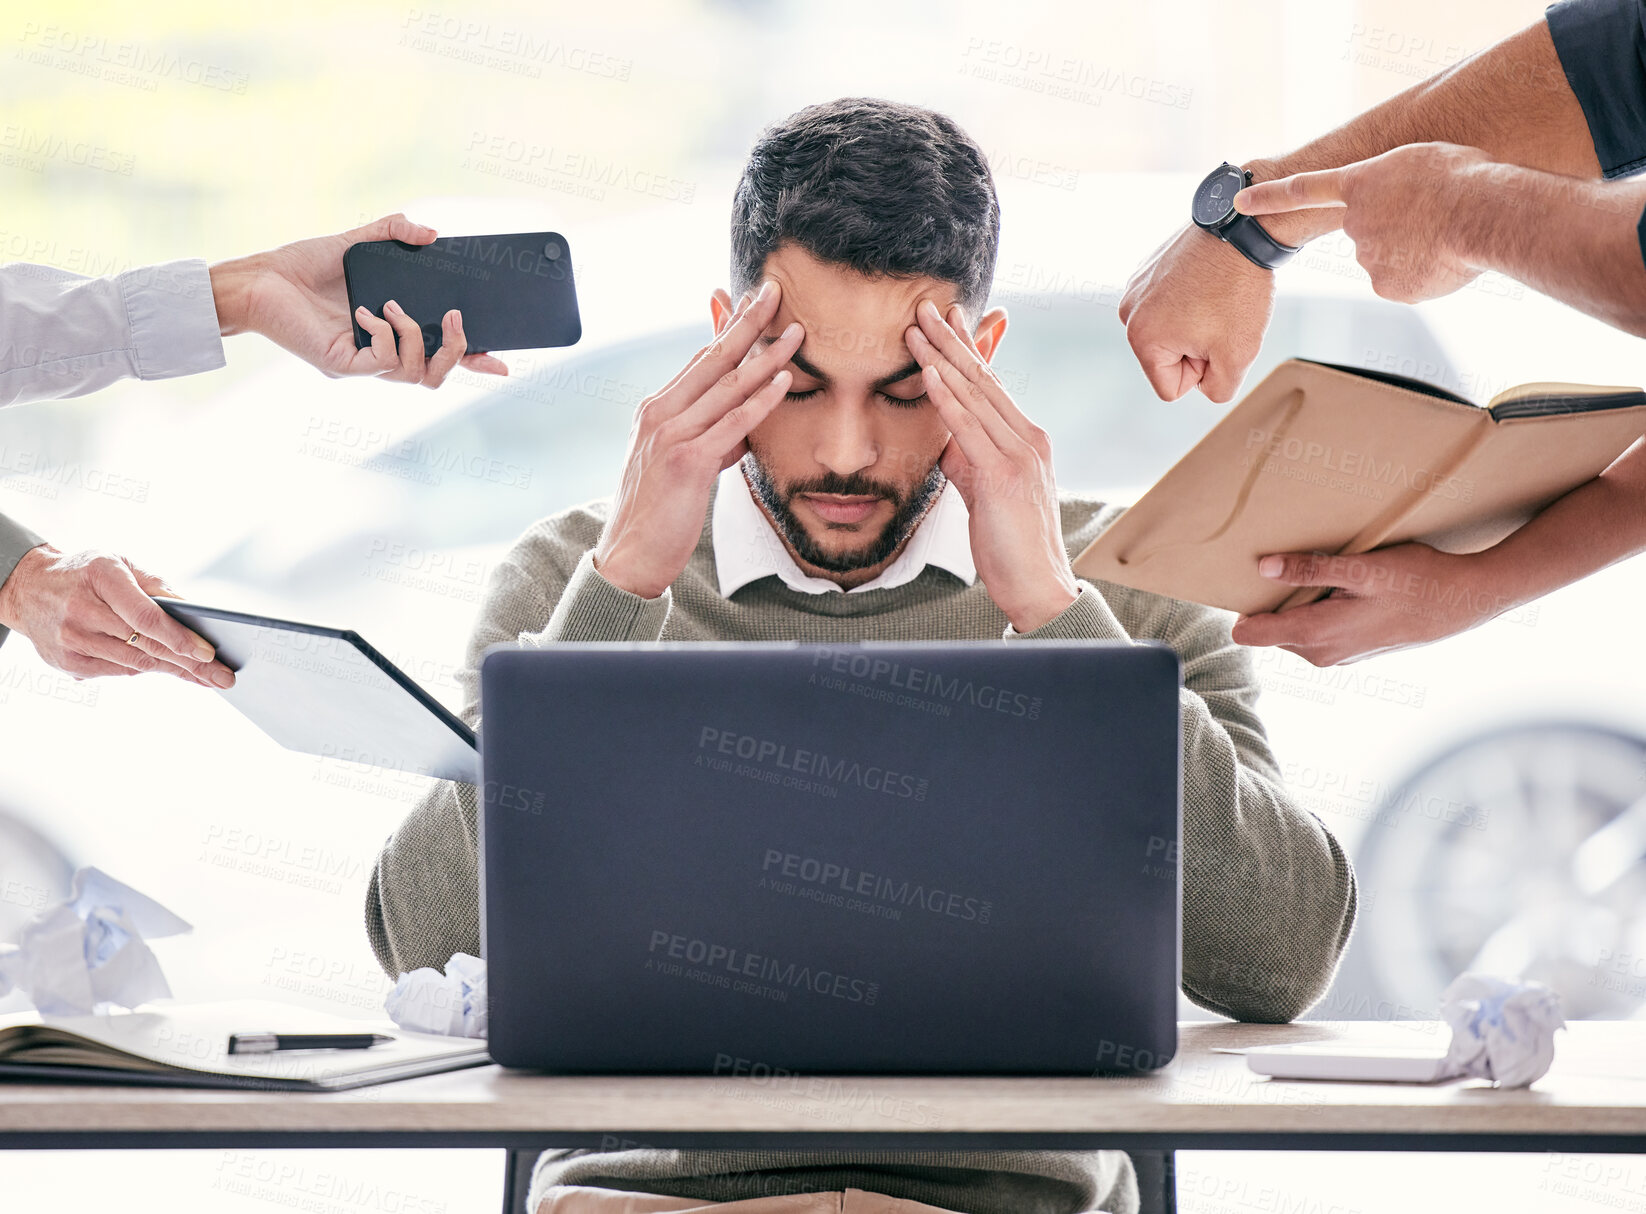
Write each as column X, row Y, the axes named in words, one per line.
column 990, row 331
column 721, row 309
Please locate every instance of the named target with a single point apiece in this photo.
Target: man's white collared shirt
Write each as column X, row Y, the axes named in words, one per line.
column 746, row 548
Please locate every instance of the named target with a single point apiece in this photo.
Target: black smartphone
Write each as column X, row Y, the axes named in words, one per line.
column 516, row 292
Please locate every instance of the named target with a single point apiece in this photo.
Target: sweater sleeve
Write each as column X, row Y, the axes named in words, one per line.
column 423, row 899
column 1268, row 894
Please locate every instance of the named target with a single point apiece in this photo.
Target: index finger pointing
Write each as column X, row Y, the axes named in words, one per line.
column 1295, row 193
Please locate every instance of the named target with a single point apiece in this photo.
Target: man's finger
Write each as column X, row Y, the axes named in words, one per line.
column 392, row 227
column 968, row 394
column 206, row 674
column 1219, row 379
column 82, row 667
column 152, row 584
column 1295, row 193
column 410, row 334
column 453, row 345
column 666, row 391
column 119, row 589
column 1300, row 626
column 943, row 337
column 97, row 623
column 380, row 356
column 1315, row 569
column 966, row 430
column 117, row 652
column 742, row 382
column 485, row 364
column 956, row 468
column 1169, row 372
column 733, row 428
column 726, row 351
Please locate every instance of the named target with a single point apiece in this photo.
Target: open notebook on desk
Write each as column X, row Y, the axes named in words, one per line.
column 187, row 1046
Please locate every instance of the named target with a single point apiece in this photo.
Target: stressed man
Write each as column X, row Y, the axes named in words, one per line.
column 841, row 464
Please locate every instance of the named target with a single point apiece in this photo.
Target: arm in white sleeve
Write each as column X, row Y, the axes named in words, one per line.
column 63, row 334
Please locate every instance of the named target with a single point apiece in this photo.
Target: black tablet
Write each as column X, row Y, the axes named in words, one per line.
column 326, row 692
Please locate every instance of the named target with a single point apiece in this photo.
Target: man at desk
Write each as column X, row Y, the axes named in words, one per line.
column 840, row 464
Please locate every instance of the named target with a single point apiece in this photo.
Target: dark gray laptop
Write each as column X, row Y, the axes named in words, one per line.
column 912, row 858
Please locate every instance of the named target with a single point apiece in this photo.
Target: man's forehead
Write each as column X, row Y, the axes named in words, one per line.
column 854, row 321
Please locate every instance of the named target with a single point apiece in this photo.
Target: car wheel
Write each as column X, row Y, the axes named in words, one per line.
column 1520, row 853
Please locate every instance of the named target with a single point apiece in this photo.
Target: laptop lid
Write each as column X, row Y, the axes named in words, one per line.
column 911, row 858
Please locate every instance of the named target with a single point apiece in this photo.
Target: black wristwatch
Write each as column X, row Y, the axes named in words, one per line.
column 1214, row 211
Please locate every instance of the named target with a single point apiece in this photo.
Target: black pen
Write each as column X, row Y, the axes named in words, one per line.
column 267, row 1043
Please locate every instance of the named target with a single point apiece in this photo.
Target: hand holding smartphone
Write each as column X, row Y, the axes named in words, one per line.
column 516, row 292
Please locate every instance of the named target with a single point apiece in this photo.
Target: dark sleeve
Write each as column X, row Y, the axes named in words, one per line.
column 1602, row 49
column 16, row 541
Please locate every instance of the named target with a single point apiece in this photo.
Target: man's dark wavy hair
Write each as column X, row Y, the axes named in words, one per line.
column 879, row 186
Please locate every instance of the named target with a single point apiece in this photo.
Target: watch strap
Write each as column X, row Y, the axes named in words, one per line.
column 1246, row 234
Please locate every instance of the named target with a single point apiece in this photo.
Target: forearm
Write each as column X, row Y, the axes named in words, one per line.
column 1576, row 241
column 1511, row 100
column 1595, row 525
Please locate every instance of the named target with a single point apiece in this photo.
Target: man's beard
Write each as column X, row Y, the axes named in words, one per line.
column 907, row 511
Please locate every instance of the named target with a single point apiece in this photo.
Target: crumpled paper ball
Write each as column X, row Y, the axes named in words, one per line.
column 87, row 955
column 1501, row 1030
column 453, row 1003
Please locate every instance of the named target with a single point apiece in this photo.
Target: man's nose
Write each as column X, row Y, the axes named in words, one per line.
column 847, row 443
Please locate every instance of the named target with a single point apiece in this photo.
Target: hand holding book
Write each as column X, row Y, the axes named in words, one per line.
column 1393, row 598
column 1394, row 497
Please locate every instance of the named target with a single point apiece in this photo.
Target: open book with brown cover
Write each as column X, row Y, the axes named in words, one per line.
column 1322, row 458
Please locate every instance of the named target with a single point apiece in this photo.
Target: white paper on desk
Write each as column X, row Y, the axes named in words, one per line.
column 88, row 953
column 1347, row 1063
column 1503, row 1031
column 453, row 1003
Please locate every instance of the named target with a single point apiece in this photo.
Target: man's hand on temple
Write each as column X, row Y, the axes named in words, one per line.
column 295, row 296
column 91, row 614
column 683, row 438
column 1393, row 598
column 1402, row 210
column 1195, row 313
column 1001, row 462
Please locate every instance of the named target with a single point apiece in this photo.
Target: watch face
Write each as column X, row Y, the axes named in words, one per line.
column 1214, row 200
